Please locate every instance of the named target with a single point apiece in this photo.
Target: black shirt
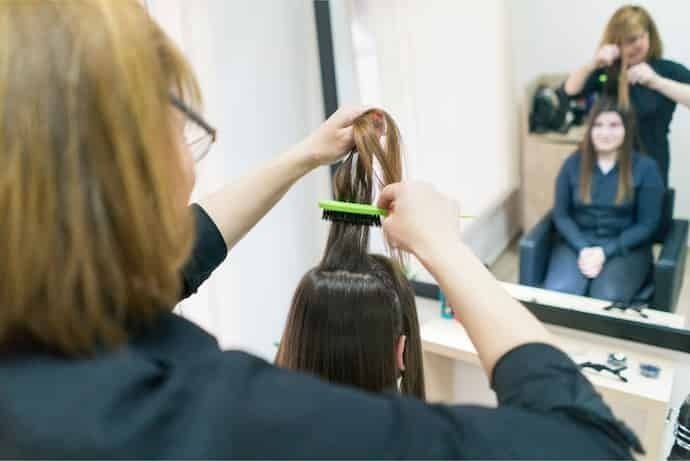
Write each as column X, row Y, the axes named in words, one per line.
column 172, row 393
column 617, row 228
column 654, row 110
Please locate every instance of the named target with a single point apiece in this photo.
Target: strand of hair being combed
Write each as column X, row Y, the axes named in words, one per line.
column 354, row 181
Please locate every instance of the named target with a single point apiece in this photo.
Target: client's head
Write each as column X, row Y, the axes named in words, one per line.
column 353, row 318
column 356, row 326
column 611, row 132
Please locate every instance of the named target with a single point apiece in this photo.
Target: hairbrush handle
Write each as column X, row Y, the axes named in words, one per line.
column 360, row 208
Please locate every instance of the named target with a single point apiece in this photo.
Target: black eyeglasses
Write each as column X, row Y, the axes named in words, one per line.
column 198, row 134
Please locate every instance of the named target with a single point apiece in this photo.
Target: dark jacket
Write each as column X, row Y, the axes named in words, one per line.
column 172, row 393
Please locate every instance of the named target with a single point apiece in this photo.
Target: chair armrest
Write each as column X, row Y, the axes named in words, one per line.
column 670, row 267
column 535, row 249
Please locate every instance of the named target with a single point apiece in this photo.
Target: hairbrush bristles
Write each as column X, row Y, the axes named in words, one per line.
column 357, row 214
column 352, row 218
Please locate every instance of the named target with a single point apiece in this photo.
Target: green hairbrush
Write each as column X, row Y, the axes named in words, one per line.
column 357, row 214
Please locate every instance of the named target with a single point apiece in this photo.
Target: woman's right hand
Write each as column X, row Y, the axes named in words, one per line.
column 606, row 55
column 420, row 219
column 591, row 261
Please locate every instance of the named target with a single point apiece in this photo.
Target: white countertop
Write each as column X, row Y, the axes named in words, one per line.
column 448, row 338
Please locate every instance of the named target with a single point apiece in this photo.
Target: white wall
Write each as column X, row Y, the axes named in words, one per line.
column 258, row 66
column 442, row 68
column 554, row 36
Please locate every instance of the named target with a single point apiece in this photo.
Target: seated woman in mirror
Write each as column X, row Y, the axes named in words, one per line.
column 353, row 318
column 606, row 210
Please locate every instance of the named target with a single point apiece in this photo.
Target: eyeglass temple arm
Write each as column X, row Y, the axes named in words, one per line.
column 175, row 101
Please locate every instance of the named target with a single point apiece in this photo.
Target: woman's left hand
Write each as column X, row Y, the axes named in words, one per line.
column 643, row 74
column 333, row 139
column 591, row 261
column 598, row 258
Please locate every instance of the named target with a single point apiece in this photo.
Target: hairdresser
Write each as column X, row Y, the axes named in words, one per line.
column 629, row 64
column 96, row 231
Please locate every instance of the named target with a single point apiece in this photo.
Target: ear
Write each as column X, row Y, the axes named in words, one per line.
column 400, row 352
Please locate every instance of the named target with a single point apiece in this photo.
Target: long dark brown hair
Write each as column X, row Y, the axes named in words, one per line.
column 349, row 312
column 589, row 155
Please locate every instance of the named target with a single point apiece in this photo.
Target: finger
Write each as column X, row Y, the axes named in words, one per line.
column 387, row 235
column 589, row 266
column 347, row 134
column 388, row 195
column 344, row 116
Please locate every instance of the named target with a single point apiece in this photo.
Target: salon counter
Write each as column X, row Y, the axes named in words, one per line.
column 453, row 371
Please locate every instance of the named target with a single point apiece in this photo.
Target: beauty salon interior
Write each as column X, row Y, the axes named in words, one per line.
column 562, row 129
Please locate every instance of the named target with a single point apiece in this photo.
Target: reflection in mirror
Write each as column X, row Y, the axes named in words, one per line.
column 503, row 106
column 645, row 235
column 496, row 121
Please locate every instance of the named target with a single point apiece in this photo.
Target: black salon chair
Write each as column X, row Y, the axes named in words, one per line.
column 663, row 288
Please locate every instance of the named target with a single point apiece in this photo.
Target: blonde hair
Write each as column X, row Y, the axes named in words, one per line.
column 626, row 22
column 94, row 231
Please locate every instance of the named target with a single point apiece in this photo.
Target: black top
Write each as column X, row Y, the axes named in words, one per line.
column 654, row 110
column 172, row 393
column 617, row 228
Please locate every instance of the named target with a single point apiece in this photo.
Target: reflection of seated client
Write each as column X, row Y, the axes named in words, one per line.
column 606, row 210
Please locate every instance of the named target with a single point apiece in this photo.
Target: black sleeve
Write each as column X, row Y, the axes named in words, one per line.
column 259, row 411
column 649, row 198
column 541, row 378
column 679, row 72
column 208, row 252
column 562, row 206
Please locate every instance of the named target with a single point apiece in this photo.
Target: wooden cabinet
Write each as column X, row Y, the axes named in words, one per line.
column 541, row 162
column 541, row 158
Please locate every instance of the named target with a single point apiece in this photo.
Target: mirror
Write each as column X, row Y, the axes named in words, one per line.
column 460, row 79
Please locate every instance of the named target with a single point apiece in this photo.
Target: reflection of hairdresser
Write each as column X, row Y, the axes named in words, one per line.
column 94, row 184
column 353, row 318
column 607, row 208
column 653, row 85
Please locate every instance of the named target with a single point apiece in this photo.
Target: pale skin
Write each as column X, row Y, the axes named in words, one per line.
column 608, row 134
column 495, row 322
column 424, row 222
column 635, row 50
column 238, row 206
